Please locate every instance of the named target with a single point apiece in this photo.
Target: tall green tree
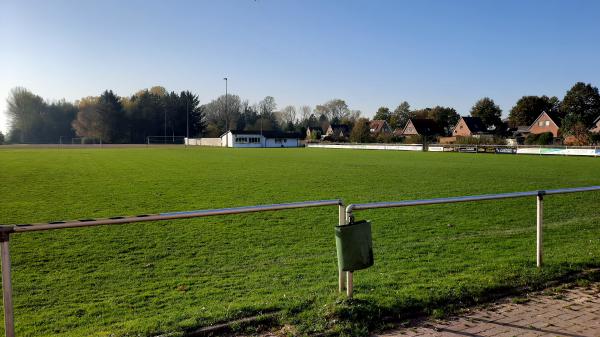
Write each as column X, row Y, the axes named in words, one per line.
column 489, row 112
column 25, row 111
column 113, row 117
column 581, row 104
column 145, row 116
column 33, row 120
column 401, row 115
column 528, row 108
column 102, row 117
column 445, row 117
column 383, row 113
column 57, row 121
column 360, row 133
column 1, row 138
column 196, row 111
column 580, row 107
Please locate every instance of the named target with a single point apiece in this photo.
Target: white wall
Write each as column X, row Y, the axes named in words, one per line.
column 203, row 141
column 414, row 147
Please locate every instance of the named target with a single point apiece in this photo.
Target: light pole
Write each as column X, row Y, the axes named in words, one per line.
column 187, row 119
column 226, row 112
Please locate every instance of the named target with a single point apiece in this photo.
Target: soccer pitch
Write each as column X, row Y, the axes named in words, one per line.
column 175, row 276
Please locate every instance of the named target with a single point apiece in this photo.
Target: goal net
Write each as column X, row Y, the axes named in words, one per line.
column 85, row 141
column 165, row 140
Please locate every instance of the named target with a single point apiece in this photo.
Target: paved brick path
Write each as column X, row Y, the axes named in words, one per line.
column 568, row 313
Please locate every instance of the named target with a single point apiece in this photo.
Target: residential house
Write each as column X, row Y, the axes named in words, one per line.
column 546, row 122
column 422, row 127
column 314, row 132
column 469, row 126
column 337, row 132
column 379, row 126
column 596, row 127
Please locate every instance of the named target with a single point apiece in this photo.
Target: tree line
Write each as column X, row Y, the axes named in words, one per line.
column 575, row 113
column 157, row 112
column 108, row 117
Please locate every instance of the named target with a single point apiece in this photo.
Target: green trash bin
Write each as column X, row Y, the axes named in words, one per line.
column 354, row 246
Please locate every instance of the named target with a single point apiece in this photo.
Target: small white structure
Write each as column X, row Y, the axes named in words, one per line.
column 237, row 138
column 203, row 141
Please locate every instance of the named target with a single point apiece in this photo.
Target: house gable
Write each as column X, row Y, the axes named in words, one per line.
column 461, row 129
column 596, row 127
column 544, row 123
column 469, row 126
column 379, row 126
column 409, row 129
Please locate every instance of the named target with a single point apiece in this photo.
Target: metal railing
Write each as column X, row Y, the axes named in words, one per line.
column 345, row 217
column 7, row 230
column 346, row 278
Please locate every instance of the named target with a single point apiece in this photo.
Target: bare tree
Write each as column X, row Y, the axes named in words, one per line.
column 288, row 114
column 305, row 112
column 224, row 115
column 267, row 106
column 335, row 109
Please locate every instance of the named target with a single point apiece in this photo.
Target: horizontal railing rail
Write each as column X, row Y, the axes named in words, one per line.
column 163, row 216
column 353, row 207
column 347, row 277
column 7, row 230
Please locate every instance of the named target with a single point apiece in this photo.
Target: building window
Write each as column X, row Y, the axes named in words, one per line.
column 540, row 123
column 547, row 123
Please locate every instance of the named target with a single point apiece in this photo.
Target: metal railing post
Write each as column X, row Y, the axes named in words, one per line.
column 539, row 228
column 349, row 217
column 341, row 273
column 349, row 284
column 9, row 323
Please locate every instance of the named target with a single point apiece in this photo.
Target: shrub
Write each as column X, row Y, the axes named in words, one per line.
column 545, row 138
column 385, row 138
column 414, row 139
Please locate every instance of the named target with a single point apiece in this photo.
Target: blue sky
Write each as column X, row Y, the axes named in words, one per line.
column 370, row 53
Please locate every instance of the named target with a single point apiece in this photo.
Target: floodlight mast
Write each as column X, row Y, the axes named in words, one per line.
column 187, row 120
column 226, row 111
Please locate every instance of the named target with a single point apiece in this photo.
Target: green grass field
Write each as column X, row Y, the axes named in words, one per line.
column 170, row 277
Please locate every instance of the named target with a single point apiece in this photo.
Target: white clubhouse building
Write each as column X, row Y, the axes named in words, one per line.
column 238, row 138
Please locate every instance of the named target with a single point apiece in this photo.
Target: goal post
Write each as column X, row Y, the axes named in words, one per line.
column 170, row 140
column 82, row 141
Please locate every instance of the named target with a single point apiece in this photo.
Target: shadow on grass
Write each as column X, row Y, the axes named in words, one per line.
column 358, row 317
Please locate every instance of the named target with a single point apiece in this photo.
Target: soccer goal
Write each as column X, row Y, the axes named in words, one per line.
column 165, row 140
column 85, row 141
